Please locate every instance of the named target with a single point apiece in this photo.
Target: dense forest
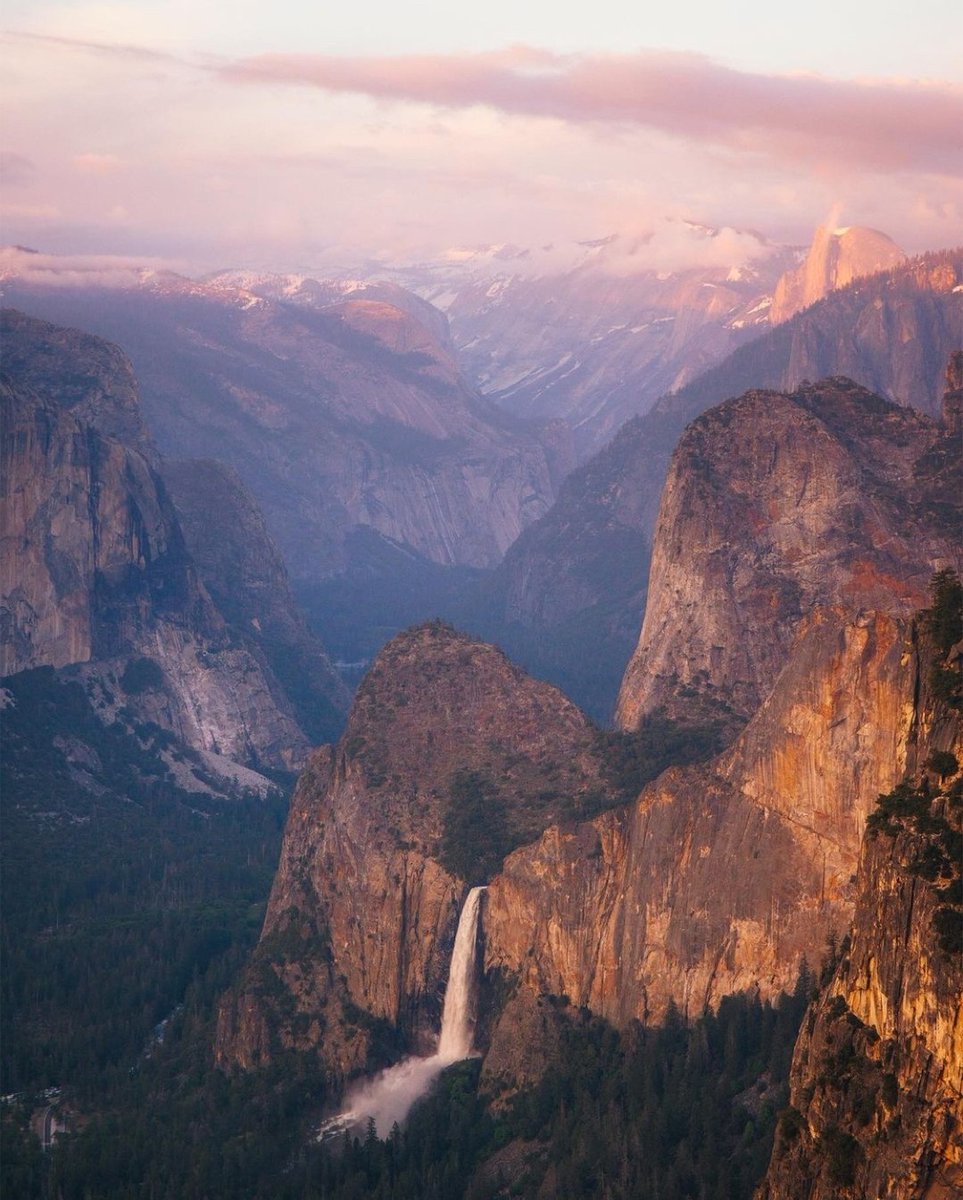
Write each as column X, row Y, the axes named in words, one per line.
column 133, row 879
column 684, row 1110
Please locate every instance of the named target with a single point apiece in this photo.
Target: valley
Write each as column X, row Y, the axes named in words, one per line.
column 317, row 637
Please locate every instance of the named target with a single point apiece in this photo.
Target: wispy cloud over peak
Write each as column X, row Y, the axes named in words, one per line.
column 81, row 270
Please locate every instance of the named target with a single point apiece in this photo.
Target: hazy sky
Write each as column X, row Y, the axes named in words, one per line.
column 286, row 134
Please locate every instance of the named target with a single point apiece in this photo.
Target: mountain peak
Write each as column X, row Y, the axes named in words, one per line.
column 836, row 257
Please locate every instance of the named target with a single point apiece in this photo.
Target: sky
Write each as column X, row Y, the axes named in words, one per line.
column 295, row 136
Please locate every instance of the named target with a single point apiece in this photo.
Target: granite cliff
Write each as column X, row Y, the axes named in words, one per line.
column 242, row 570
column 717, row 878
column 877, row 1076
column 451, row 757
column 775, row 504
column 721, row 878
column 95, row 571
column 567, row 598
column 835, row 258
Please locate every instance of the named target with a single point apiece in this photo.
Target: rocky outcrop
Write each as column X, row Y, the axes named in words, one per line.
column 775, row 504
column 78, row 374
column 876, row 1106
column 451, row 757
column 352, row 414
column 242, row 570
column 718, row 879
column 721, row 878
column 835, row 258
column 892, row 333
column 953, row 397
column 93, row 565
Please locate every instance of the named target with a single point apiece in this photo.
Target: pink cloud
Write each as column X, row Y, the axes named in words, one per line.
column 16, row 169
column 888, row 125
column 119, row 50
column 96, row 164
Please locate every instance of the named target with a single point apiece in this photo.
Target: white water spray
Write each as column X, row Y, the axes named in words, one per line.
column 458, row 1015
column 389, row 1096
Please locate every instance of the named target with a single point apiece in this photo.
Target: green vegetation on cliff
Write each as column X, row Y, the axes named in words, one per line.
column 943, row 622
column 934, row 819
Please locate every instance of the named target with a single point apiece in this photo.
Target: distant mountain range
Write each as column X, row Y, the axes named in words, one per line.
column 596, row 336
column 337, row 408
column 347, row 408
column 595, row 333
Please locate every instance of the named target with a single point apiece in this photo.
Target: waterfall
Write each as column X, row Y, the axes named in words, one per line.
column 389, row 1096
column 458, row 1015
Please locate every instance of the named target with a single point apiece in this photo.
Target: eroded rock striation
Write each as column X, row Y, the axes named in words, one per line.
column 775, row 504
column 242, row 569
column 451, row 757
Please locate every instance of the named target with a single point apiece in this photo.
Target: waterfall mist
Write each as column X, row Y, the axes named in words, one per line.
column 388, row 1096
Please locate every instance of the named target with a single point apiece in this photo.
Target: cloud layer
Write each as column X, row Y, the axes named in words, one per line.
column 295, row 161
column 880, row 125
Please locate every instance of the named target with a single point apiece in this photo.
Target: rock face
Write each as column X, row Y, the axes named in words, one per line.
column 718, row 879
column 365, row 904
column 953, row 399
column 775, row 504
column 85, row 376
column 836, row 257
column 892, row 333
column 94, row 568
column 877, row 1074
column 335, row 417
column 721, row 878
column 242, row 570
